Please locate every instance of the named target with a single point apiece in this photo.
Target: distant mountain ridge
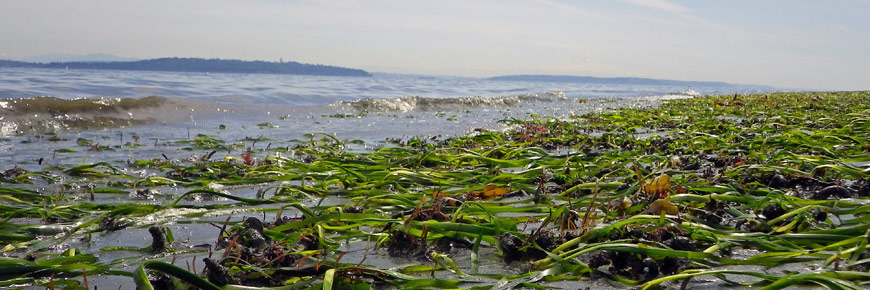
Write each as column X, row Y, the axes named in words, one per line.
column 611, row 80
column 199, row 65
column 65, row 57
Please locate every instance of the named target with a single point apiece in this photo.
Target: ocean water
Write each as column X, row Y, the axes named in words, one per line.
column 110, row 108
column 292, row 89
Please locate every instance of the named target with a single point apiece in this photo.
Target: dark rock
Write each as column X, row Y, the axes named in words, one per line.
column 546, row 240
column 599, row 259
column 254, row 224
column 717, row 161
column 353, row 209
column 159, row 281
column 772, row 211
column 833, row 190
column 217, row 274
column 778, row 181
column 627, row 264
column 603, row 172
column 12, row 173
column 307, row 242
column 510, row 246
column 650, row 269
column 402, row 244
column 681, row 243
column 671, row 265
column 448, row 245
column 158, row 238
column 692, row 166
column 251, row 235
column 110, row 223
column 809, row 182
column 820, row 215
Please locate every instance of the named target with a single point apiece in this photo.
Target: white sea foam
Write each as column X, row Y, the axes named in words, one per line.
column 424, row 104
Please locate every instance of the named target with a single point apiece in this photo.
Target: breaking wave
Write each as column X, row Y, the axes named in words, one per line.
column 417, row 103
column 58, row 106
column 50, row 114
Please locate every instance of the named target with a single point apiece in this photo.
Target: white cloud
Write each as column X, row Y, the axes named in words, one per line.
column 682, row 11
column 558, row 5
column 663, row 6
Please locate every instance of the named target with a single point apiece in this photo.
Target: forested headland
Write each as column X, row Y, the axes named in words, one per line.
column 200, row 65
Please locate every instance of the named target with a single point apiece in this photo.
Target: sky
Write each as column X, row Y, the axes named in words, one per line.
column 799, row 44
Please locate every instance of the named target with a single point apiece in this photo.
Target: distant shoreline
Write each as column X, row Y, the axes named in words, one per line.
column 615, row 80
column 199, row 65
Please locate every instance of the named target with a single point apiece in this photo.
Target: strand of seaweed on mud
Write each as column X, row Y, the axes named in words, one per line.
column 750, row 190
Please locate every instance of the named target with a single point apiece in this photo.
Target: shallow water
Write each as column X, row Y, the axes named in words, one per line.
column 259, row 111
column 236, row 100
column 279, row 110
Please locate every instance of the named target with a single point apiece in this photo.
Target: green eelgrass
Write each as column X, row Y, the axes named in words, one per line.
column 745, row 173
